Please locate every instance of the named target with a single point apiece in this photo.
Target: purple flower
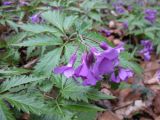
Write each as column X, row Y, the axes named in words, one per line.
column 120, row 47
column 129, row 8
column 104, row 45
column 36, row 18
column 68, row 69
column 123, row 75
column 140, row 2
column 118, row 6
column 120, row 9
column 94, row 64
column 150, row 15
column 147, row 49
column 7, row 3
column 85, row 71
column 158, row 74
column 125, row 24
column 23, row 3
column 106, row 32
column 106, row 60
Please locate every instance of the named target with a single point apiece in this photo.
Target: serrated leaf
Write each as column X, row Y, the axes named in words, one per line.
column 91, row 115
column 5, row 113
column 18, row 80
column 124, row 85
column 14, row 71
column 74, row 91
column 40, row 41
column 158, row 49
column 129, row 64
column 68, row 22
column 150, row 35
column 82, row 107
column 48, row 62
column 95, row 15
column 55, row 18
column 97, row 95
column 96, row 36
column 25, row 103
column 16, row 38
column 39, row 28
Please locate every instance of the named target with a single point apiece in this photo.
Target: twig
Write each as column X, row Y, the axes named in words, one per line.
column 123, row 106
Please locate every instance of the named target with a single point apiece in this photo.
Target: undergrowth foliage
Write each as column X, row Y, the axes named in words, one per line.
column 43, row 35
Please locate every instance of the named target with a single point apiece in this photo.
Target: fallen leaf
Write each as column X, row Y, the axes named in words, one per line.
column 131, row 109
column 156, row 103
column 108, row 115
column 158, row 118
column 154, row 80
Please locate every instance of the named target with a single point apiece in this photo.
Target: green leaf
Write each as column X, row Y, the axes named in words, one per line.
column 18, row 80
column 82, row 107
column 39, row 28
column 97, row 36
column 5, row 113
column 150, row 35
column 74, row 91
column 40, row 41
column 16, row 38
column 55, row 18
column 14, row 71
column 91, row 115
column 124, row 85
column 68, row 22
column 48, row 62
column 97, row 95
column 13, row 25
column 124, row 62
column 158, row 49
column 25, row 103
column 95, row 15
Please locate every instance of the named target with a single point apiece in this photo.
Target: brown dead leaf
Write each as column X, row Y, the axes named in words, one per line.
column 153, row 80
column 151, row 65
column 25, row 116
column 116, row 41
column 3, row 29
column 156, row 103
column 128, row 95
column 108, row 115
column 143, row 118
column 106, row 91
column 158, row 118
column 131, row 109
column 105, row 103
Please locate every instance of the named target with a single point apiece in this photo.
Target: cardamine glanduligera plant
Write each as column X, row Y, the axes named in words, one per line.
column 54, row 54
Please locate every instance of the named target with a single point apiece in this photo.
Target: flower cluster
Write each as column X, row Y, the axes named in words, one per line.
column 7, row 3
column 123, row 75
column 122, row 8
column 118, row 6
column 105, row 32
column 95, row 64
column 147, row 49
column 21, row 3
column 150, row 15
